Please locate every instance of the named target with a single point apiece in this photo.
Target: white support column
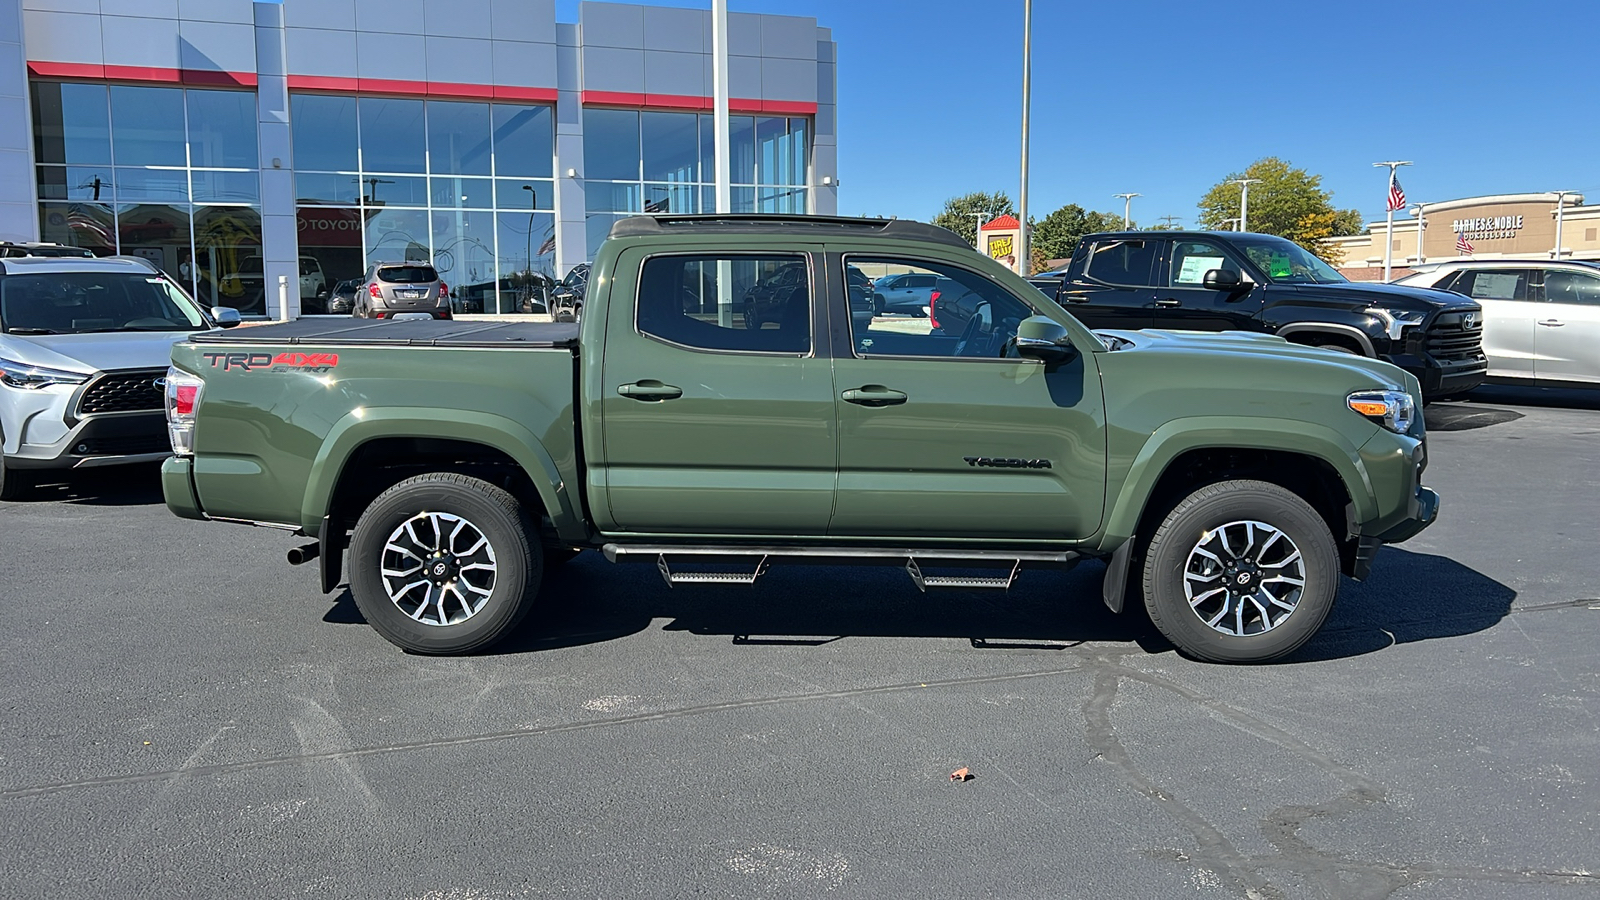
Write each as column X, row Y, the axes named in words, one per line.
column 722, row 147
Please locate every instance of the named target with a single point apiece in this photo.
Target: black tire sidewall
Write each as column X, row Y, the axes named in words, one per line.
column 1218, row 504
column 491, row 511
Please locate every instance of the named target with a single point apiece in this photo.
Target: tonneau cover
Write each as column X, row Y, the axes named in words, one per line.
column 405, row 333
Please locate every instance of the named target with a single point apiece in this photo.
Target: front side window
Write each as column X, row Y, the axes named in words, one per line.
column 1191, row 260
column 759, row 304
column 956, row 313
column 81, row 302
column 1287, row 263
column 1122, row 262
column 1572, row 287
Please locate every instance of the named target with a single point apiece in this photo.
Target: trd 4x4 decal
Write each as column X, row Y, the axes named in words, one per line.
column 280, row 362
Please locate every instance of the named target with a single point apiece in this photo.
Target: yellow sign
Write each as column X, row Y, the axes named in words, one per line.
column 1000, row 246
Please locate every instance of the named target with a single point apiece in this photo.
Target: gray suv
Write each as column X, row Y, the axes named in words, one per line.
column 84, row 350
column 407, row 290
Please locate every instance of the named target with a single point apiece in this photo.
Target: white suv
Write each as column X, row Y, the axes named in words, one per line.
column 84, row 349
column 1541, row 317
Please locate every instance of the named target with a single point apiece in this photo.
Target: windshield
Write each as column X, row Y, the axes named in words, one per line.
column 81, row 302
column 1287, row 263
column 408, row 274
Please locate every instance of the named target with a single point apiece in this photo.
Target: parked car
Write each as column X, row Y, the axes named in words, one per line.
column 859, row 287
column 342, row 299
column 566, row 301
column 1541, row 317
column 1227, row 281
column 84, row 347
column 410, row 289
column 768, row 299
column 534, row 293
column 905, row 295
column 249, row 283
column 14, row 249
column 1228, row 482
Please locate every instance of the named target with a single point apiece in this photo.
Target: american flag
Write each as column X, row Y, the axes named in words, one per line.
column 1397, row 194
column 1462, row 244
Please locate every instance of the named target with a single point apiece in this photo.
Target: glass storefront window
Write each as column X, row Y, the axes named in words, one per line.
column 515, row 193
column 741, row 150
column 464, row 193
column 392, row 190
column 524, row 141
column 74, row 183
column 396, row 235
column 71, row 124
column 613, row 196
column 227, row 268
column 147, row 126
column 671, row 146
column 332, row 238
column 527, row 243
column 394, row 137
column 171, row 185
column 324, row 132
column 158, row 232
column 225, row 187
column 90, row 225
column 463, row 252
column 222, row 129
column 458, row 138
column 611, row 144
column 670, row 198
column 320, row 187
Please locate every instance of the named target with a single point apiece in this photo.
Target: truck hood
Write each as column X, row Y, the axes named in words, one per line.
column 1368, row 373
column 1385, row 296
column 97, row 352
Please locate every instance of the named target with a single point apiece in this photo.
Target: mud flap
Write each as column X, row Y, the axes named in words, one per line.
column 330, row 554
column 1115, row 586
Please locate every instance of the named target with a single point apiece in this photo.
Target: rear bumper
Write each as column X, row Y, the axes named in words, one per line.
column 177, row 488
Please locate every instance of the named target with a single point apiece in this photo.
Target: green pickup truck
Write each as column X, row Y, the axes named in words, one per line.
column 1226, row 480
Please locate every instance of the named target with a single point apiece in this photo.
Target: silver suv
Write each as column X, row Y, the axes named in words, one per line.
column 84, row 349
column 407, row 290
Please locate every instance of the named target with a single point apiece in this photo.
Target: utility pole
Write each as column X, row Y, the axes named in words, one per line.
column 1027, row 85
column 1560, row 202
column 1127, row 208
column 1244, row 199
column 1168, row 220
column 1388, row 205
column 1422, row 226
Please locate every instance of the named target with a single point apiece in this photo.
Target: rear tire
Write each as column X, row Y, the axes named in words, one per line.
column 448, row 592
column 1240, row 572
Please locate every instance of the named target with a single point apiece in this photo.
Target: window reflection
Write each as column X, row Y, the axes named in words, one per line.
column 458, row 138
column 396, row 138
column 157, row 232
column 396, row 235
column 147, row 126
column 463, row 252
column 227, row 267
column 527, row 243
column 71, row 124
column 524, row 139
column 222, row 129
column 90, row 225
column 324, row 132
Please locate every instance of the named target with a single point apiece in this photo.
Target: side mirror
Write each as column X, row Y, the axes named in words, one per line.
column 1222, row 280
column 1046, row 340
column 226, row 316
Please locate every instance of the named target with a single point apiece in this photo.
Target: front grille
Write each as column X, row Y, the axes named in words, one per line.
column 123, row 446
column 117, row 392
column 1452, row 336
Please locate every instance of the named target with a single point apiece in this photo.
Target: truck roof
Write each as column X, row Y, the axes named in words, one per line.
column 1179, row 234
column 812, row 227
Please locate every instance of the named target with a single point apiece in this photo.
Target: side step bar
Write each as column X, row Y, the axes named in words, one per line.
column 913, row 559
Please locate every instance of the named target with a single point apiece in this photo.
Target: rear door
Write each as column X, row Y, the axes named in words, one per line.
column 945, row 432
column 1566, row 336
column 1112, row 283
column 1510, row 311
column 712, row 424
column 1184, row 302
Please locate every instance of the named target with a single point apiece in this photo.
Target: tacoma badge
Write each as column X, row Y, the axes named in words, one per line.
column 992, row 462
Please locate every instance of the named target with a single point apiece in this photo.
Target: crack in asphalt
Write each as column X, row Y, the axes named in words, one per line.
column 1281, row 828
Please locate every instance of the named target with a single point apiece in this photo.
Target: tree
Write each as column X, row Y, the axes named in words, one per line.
column 1287, row 202
column 1057, row 236
column 961, row 213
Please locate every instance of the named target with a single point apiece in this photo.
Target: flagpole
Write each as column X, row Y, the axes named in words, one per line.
column 1388, row 204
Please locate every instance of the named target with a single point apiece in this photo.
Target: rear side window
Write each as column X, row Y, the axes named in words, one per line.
column 759, row 304
column 1493, row 284
column 1124, row 262
column 408, row 274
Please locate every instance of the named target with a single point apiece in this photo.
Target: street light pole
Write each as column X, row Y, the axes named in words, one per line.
column 1560, row 203
column 1388, row 235
column 1244, row 199
column 1027, row 86
column 977, row 226
column 1127, row 208
column 1422, row 226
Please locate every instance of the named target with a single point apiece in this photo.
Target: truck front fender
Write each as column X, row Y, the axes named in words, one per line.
column 1179, row 436
column 494, row 431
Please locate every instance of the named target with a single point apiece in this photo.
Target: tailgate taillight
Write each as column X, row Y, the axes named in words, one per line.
column 372, row 290
column 183, row 398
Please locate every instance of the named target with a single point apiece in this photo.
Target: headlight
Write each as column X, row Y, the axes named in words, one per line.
column 1396, row 321
column 1393, row 410
column 22, row 375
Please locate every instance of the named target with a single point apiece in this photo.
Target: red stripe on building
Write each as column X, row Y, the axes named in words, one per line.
column 97, row 72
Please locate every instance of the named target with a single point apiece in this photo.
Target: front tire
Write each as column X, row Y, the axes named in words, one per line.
column 442, row 564
column 14, row 484
column 1240, row 572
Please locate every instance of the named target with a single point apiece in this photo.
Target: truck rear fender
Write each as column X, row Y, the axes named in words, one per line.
column 495, row 432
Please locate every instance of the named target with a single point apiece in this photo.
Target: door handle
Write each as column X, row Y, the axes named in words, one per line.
column 1551, row 323
column 1169, row 302
column 874, row 395
column 650, row 389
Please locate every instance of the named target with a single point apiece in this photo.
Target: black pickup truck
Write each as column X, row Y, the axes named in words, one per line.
column 1211, row 281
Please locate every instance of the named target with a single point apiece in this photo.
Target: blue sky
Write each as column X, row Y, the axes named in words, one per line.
column 1165, row 98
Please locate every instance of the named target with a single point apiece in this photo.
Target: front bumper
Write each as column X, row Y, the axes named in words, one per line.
column 1394, row 466
column 100, row 441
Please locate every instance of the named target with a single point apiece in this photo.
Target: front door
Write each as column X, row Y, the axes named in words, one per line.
column 1112, row 285
column 946, row 432
column 1509, row 314
column 713, row 422
column 1566, row 334
column 1184, row 302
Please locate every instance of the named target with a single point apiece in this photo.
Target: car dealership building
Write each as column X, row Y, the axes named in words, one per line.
column 231, row 142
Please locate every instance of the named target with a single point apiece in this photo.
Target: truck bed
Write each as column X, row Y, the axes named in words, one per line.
column 415, row 333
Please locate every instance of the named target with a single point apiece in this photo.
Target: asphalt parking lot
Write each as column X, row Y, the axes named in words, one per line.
column 186, row 716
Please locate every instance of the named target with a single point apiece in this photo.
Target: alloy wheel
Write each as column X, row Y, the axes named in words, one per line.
column 1244, row 578
column 438, row 568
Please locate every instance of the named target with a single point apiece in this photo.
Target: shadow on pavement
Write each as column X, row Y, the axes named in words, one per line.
column 135, row 485
column 1521, row 395
column 1465, row 416
column 1410, row 597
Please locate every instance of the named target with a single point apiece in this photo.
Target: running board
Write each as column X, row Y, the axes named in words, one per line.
column 913, row 559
